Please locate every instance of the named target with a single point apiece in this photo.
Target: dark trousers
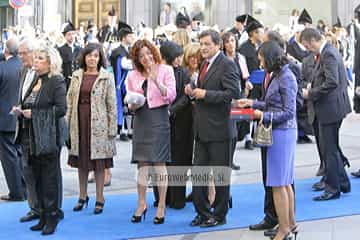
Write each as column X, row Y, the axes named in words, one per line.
column 335, row 174
column 212, row 154
column 47, row 181
column 30, row 179
column 317, row 140
column 12, row 166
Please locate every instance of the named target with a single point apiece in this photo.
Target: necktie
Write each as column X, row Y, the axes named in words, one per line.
column 317, row 58
column 267, row 80
column 203, row 73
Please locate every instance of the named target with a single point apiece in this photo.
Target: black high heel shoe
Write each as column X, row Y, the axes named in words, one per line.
column 230, row 202
column 137, row 219
column 80, row 205
column 99, row 206
column 159, row 220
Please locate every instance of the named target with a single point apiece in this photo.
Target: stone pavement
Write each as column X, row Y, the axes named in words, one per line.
column 123, row 181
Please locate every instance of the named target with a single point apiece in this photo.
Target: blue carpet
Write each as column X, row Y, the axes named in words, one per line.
column 115, row 223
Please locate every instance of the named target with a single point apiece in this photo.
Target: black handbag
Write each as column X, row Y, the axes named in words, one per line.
column 263, row 135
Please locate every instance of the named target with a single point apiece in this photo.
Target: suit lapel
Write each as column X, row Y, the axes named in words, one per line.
column 212, row 68
column 28, row 91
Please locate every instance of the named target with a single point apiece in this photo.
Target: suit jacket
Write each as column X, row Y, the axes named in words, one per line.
column 328, row 91
column 249, row 51
column 9, row 92
column 69, row 61
column 294, row 50
column 280, row 100
column 212, row 114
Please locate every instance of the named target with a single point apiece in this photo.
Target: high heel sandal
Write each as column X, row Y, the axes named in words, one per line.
column 289, row 236
column 159, row 220
column 137, row 219
column 230, row 202
column 99, row 206
column 272, row 233
column 81, row 202
column 295, row 231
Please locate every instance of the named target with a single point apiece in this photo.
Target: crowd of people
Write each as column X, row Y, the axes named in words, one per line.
column 171, row 93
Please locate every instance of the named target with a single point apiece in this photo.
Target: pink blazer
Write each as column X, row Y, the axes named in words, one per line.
column 154, row 98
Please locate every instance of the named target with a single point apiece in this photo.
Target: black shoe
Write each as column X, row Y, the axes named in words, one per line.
column 249, row 145
column 197, row 221
column 345, row 189
column 39, row 226
column 81, row 202
column 327, row 196
column 189, row 198
column 319, row 186
column 29, row 217
column 159, row 220
column 60, row 214
column 99, row 206
column 130, row 136
column 124, row 137
column 51, row 224
column 136, row 219
column 304, row 140
column 271, row 232
column 263, row 225
column 235, row 167
column 9, row 198
column 356, row 174
column 212, row 222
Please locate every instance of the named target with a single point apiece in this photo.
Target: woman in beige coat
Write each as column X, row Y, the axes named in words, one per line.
column 92, row 121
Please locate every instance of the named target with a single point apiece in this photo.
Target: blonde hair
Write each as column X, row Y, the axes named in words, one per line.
column 190, row 50
column 53, row 57
column 181, row 37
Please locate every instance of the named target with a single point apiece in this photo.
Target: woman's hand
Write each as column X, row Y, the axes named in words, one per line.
column 243, row 103
column 258, row 114
column 16, row 111
column 133, row 107
column 26, row 113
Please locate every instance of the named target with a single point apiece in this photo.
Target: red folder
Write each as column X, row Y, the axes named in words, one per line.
column 242, row 114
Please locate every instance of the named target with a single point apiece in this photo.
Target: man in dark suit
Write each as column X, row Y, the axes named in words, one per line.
column 69, row 52
column 9, row 151
column 216, row 86
column 331, row 104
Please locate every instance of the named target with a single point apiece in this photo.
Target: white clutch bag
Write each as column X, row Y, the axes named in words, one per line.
column 135, row 98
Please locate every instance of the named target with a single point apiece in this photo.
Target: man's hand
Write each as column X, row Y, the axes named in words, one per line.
column 243, row 103
column 199, row 93
column 27, row 113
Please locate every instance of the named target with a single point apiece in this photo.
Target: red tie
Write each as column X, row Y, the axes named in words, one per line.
column 203, row 73
column 267, row 80
column 317, row 58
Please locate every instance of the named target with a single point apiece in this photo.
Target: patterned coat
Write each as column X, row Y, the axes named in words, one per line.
column 103, row 115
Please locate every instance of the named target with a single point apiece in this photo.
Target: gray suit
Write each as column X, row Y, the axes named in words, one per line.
column 331, row 104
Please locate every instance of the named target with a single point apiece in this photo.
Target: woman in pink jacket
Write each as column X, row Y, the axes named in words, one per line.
column 151, row 139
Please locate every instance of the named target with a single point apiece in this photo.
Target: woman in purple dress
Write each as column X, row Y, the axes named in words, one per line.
column 279, row 106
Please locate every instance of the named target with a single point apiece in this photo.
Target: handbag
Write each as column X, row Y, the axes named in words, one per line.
column 263, row 135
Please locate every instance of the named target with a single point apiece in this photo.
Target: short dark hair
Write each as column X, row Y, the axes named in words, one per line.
column 215, row 36
column 276, row 37
column 168, row 4
column 273, row 55
column 310, row 33
column 89, row 49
